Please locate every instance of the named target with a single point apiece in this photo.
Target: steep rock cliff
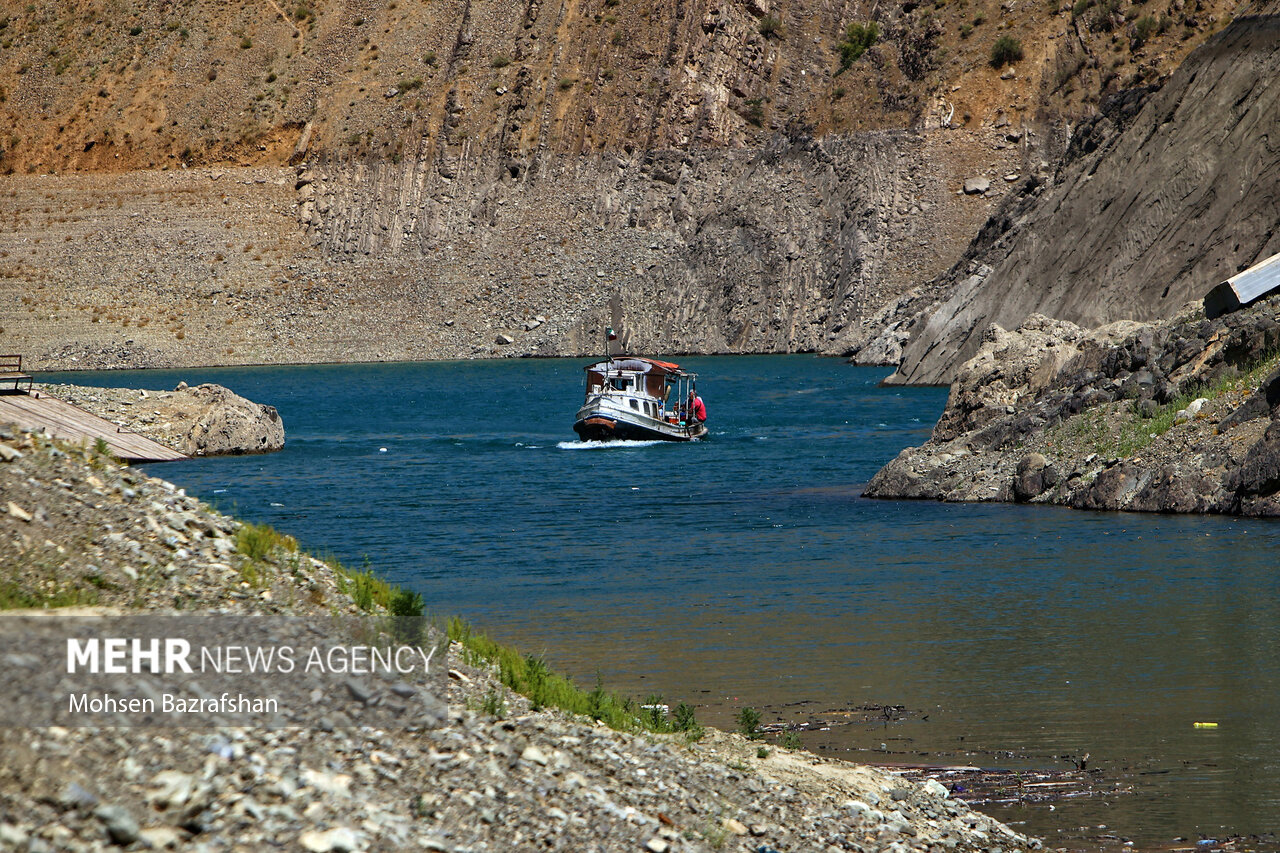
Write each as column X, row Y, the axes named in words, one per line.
column 1149, row 212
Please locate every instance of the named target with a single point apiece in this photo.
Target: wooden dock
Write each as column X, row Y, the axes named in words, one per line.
column 62, row 420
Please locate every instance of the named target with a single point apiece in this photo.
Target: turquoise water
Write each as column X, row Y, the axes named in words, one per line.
column 746, row 569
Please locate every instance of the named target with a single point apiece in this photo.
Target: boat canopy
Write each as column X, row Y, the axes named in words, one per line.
column 658, row 375
column 637, row 364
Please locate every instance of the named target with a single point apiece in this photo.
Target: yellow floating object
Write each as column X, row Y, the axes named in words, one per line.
column 1206, row 725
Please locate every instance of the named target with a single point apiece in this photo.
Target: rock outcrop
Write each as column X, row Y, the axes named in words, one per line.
column 205, row 420
column 1162, row 196
column 1173, row 416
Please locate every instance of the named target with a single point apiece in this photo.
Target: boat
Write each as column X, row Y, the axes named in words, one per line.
column 630, row 398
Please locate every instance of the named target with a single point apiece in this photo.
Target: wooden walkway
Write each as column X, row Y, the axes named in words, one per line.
column 62, row 420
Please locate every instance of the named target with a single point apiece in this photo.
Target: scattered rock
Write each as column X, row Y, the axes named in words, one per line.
column 1193, row 409
column 534, row 755
column 336, row 840
column 120, row 825
column 976, row 186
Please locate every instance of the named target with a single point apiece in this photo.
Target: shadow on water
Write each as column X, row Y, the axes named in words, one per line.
column 746, row 570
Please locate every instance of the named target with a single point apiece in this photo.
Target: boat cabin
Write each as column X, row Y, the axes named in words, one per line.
column 633, row 397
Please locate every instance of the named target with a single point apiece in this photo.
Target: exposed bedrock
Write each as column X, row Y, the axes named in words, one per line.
column 779, row 249
column 1157, row 201
column 788, row 247
column 1172, row 416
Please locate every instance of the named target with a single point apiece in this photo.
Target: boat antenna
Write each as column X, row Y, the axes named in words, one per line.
column 609, row 335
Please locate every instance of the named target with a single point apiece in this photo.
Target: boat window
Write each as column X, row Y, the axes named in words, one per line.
column 635, row 404
column 620, row 383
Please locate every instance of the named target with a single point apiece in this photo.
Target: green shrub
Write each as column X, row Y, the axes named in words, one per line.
column 1103, row 19
column 500, row 61
column 791, row 740
column 1005, row 51
column 408, row 619
column 655, row 714
column 366, row 589
column 748, row 720
column 966, row 30
column 771, row 26
column 1144, row 28
column 494, row 704
column 858, row 38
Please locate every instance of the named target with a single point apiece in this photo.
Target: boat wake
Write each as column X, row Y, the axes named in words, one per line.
column 604, row 445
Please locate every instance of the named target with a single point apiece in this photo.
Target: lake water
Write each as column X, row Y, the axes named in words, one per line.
column 746, row 570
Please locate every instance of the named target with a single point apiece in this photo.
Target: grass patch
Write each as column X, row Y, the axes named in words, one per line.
column 260, row 541
column 530, row 676
column 771, row 25
column 14, row 597
column 493, row 704
column 366, row 589
column 1129, row 431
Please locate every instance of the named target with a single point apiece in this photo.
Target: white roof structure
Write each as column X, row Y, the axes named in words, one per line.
column 1238, row 291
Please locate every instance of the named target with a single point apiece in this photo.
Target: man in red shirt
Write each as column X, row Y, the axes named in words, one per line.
column 697, row 407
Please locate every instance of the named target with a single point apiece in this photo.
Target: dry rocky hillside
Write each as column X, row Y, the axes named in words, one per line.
column 252, row 182
column 1161, row 196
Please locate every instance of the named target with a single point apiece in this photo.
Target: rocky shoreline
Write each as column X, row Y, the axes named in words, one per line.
column 205, row 420
column 472, row 766
column 1173, row 416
